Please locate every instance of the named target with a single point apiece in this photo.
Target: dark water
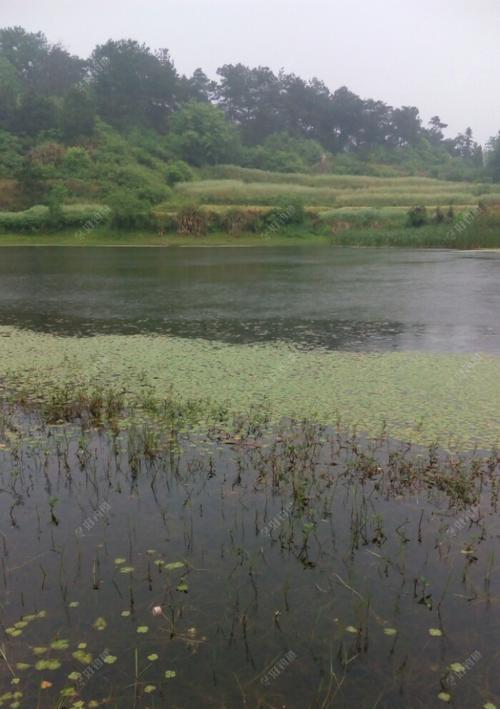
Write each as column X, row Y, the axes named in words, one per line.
column 301, row 582
column 351, row 299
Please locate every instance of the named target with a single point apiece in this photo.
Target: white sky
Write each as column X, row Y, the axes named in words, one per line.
column 440, row 55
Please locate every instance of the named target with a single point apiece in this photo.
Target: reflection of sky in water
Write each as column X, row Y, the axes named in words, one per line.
column 350, row 299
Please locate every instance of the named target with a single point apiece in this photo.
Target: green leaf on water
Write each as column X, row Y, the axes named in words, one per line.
column 47, row 665
column 60, row 645
column 110, row 659
column 39, row 650
column 84, row 657
column 457, row 667
column 352, row 629
column 126, row 569
column 390, row 631
column 153, row 657
column 82, row 646
column 183, row 587
column 13, row 632
column 74, row 604
column 100, row 624
column 435, row 632
column 74, row 676
column 119, row 561
column 444, row 696
column 174, row 565
column 489, row 705
column 143, row 629
column 22, row 666
column 149, row 688
column 125, row 614
column 170, row 674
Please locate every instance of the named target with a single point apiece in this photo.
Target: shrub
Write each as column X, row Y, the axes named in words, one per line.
column 128, row 211
column 77, row 162
column 417, row 216
column 237, row 221
column 178, row 171
column 192, row 220
column 32, row 219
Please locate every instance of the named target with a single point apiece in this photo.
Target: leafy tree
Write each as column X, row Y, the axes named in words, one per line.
column 178, row 171
column 493, row 158
column 39, row 66
column 36, row 113
column 78, row 115
column 133, row 86
column 201, row 135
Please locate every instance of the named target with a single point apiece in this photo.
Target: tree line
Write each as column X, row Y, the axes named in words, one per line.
column 47, row 91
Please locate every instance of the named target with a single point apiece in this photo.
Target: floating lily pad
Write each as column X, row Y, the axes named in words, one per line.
column 435, row 632
column 100, row 624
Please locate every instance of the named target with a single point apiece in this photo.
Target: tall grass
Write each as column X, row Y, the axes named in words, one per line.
column 393, row 184
column 237, row 192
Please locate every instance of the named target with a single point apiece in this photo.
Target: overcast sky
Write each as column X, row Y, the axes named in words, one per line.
column 440, row 55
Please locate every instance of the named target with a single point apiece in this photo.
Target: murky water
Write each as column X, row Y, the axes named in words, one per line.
column 350, row 299
column 293, row 567
column 286, row 573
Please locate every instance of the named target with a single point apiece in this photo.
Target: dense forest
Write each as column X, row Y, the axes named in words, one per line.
column 96, row 128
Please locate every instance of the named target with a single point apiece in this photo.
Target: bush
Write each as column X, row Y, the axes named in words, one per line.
column 77, row 162
column 192, row 220
column 128, row 211
column 178, row 171
column 32, row 219
column 417, row 216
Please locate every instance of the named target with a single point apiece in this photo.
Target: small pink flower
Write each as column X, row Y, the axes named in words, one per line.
column 157, row 610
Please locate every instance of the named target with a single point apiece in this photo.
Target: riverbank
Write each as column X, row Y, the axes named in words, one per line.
column 479, row 236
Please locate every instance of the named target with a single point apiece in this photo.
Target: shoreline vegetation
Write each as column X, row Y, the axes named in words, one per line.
column 120, row 148
column 431, row 236
column 235, row 206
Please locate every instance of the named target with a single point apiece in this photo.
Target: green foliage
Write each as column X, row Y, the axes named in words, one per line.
column 128, row 211
column 493, row 159
column 417, row 216
column 11, row 155
column 201, row 135
column 77, row 162
column 178, row 171
column 78, row 115
column 55, row 201
column 133, row 85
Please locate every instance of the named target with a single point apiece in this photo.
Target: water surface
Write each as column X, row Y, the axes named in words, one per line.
column 340, row 298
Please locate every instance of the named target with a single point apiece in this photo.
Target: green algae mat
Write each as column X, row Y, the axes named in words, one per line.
column 451, row 399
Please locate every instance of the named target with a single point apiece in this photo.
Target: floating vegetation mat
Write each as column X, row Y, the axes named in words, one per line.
column 422, row 397
column 294, row 566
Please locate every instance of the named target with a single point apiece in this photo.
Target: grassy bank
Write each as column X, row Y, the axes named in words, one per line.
column 339, row 230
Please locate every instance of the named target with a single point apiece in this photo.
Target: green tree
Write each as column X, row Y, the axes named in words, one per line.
column 493, row 158
column 133, row 85
column 78, row 115
column 201, row 135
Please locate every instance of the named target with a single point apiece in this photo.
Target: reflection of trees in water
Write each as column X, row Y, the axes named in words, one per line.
column 330, row 334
